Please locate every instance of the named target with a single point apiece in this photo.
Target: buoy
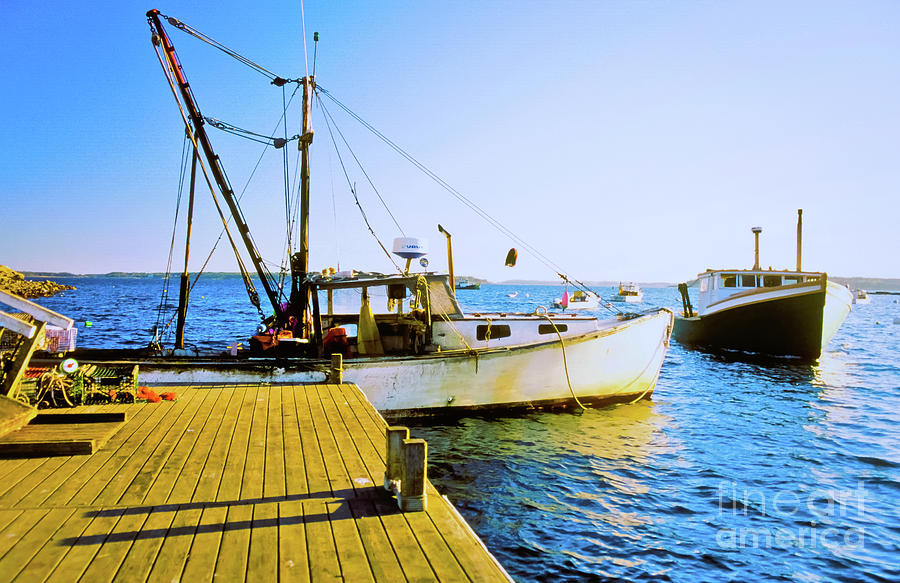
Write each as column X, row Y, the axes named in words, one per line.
column 88, row 324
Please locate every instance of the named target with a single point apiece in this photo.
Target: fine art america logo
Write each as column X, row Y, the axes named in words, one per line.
column 821, row 518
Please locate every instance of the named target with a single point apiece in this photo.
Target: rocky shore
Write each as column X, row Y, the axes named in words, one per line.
column 15, row 283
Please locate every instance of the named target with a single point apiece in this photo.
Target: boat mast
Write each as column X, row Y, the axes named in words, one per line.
column 799, row 236
column 300, row 260
column 202, row 140
column 183, row 290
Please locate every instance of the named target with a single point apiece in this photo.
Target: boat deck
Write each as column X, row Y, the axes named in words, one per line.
column 240, row 482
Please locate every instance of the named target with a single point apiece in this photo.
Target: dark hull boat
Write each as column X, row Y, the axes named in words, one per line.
column 795, row 320
column 772, row 313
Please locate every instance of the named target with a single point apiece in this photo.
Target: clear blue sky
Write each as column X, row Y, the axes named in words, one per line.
column 624, row 140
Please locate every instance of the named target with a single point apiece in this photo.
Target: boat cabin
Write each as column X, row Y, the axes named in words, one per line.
column 717, row 285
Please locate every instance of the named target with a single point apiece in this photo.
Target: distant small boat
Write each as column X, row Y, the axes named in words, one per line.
column 514, row 294
column 466, row 284
column 629, row 292
column 861, row 297
column 577, row 301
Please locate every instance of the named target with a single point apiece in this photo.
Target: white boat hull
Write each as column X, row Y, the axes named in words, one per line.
column 628, row 299
column 618, row 362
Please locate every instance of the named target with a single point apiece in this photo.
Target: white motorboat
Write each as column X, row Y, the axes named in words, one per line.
column 774, row 313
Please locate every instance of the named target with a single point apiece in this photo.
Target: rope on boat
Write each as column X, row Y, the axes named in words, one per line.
column 562, row 345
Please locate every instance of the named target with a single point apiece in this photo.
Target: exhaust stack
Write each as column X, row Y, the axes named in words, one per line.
column 756, row 232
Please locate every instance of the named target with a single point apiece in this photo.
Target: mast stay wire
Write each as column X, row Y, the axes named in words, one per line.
column 275, row 79
column 164, row 294
column 248, row 283
column 279, row 81
column 363, row 170
column 244, row 189
column 353, row 191
column 462, row 198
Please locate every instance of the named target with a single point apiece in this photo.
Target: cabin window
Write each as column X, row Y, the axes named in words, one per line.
column 549, row 329
column 748, row 281
column 792, row 279
column 771, row 280
column 492, row 332
column 729, row 281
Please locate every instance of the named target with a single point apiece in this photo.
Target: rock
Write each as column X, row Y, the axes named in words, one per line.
column 15, row 283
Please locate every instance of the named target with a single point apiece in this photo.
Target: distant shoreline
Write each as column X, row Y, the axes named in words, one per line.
column 866, row 283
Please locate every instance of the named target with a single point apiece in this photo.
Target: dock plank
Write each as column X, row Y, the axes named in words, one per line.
column 139, row 561
column 293, row 564
column 236, row 482
column 294, row 462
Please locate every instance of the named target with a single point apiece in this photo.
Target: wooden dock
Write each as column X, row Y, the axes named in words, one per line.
column 237, row 482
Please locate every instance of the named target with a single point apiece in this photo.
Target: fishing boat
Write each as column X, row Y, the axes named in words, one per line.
column 579, row 300
column 466, row 284
column 777, row 313
column 630, row 293
column 860, row 296
column 405, row 339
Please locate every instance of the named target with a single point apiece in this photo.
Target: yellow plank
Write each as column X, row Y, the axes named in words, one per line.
column 83, row 549
column 83, row 484
column 27, row 544
column 144, row 550
column 338, row 478
column 351, row 554
column 233, row 471
column 211, row 474
column 316, row 475
column 31, row 480
column 171, row 469
column 19, row 528
column 176, row 546
column 293, row 563
column 274, row 475
column 362, row 482
column 112, row 552
column 54, row 549
column 235, row 546
column 382, row 558
column 263, row 560
column 255, row 464
column 141, row 468
column 294, row 463
column 201, row 562
column 323, row 562
column 62, row 479
column 192, row 471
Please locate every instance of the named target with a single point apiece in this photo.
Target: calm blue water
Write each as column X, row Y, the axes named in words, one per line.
column 735, row 471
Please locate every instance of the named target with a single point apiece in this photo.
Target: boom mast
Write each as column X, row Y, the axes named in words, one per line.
column 202, row 140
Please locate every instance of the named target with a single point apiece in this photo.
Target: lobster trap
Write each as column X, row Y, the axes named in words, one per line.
column 69, row 385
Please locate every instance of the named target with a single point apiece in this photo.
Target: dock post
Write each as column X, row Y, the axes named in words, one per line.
column 336, row 374
column 411, row 496
column 393, row 452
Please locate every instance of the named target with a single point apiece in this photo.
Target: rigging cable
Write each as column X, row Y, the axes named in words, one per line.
column 248, row 283
column 363, row 170
column 355, row 197
column 458, row 195
column 276, row 80
column 164, row 295
column 240, row 196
